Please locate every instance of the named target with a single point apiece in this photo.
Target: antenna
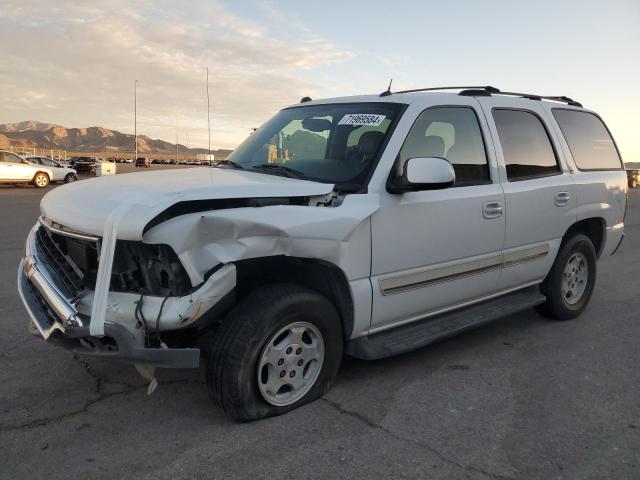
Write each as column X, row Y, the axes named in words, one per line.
column 387, row 92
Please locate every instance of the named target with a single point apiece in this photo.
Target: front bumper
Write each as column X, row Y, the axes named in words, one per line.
column 57, row 319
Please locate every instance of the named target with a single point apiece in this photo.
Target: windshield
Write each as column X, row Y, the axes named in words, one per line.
column 335, row 143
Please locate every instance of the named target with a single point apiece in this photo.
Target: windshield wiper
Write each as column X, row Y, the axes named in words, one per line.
column 227, row 164
column 279, row 169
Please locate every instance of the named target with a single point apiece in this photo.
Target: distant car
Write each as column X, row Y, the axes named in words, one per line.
column 61, row 173
column 143, row 162
column 83, row 164
column 15, row 169
column 634, row 178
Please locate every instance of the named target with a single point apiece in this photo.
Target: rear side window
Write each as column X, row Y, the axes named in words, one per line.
column 525, row 143
column 589, row 140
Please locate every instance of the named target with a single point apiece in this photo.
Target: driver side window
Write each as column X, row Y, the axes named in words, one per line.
column 452, row 133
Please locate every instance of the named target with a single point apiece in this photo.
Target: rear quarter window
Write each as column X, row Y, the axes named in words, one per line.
column 589, row 140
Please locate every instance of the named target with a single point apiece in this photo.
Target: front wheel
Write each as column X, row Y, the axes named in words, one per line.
column 278, row 349
column 70, row 177
column 41, row 180
column 570, row 282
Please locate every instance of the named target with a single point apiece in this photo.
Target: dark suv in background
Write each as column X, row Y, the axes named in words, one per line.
column 83, row 164
column 143, row 162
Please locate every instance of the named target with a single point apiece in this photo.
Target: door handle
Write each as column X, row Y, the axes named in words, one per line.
column 492, row 210
column 562, row 199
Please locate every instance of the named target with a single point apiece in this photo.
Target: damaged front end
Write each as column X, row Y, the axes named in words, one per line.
column 148, row 294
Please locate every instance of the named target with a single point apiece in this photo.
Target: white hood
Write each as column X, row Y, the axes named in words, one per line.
column 85, row 205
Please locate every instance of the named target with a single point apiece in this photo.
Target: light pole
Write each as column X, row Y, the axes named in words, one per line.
column 208, row 120
column 135, row 116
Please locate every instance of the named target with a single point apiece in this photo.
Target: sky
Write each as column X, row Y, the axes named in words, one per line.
column 74, row 63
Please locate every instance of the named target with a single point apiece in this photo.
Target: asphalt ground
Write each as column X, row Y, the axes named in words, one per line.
column 522, row 398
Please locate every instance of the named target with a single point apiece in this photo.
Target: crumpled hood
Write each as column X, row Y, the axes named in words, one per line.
column 85, row 205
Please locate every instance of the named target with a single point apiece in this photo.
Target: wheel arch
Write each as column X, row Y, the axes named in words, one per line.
column 594, row 228
column 40, row 172
column 324, row 277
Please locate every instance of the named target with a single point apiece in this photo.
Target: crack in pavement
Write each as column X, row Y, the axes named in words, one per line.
column 370, row 423
column 98, row 390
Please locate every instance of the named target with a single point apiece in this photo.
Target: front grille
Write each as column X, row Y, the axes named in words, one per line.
column 43, row 306
column 67, row 278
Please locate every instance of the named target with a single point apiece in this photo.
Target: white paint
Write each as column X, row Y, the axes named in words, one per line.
column 108, row 246
column 76, row 205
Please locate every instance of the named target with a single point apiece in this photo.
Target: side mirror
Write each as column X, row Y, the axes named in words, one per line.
column 430, row 173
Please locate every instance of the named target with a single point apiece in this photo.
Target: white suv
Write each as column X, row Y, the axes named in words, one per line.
column 370, row 225
column 15, row 169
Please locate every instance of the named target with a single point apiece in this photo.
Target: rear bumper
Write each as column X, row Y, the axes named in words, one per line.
column 56, row 319
column 613, row 240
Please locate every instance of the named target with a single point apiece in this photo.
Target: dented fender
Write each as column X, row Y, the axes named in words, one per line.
column 339, row 235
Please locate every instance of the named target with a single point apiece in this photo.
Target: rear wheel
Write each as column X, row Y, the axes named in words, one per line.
column 570, row 282
column 278, row 349
column 41, row 180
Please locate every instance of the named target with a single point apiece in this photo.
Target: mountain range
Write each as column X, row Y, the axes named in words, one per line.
column 33, row 134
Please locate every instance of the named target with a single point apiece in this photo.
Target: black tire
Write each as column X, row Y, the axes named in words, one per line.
column 70, row 177
column 236, row 347
column 40, row 180
column 557, row 306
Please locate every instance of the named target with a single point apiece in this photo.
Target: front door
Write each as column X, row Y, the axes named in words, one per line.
column 14, row 168
column 435, row 249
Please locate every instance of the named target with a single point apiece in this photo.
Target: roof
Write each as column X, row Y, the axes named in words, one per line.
column 414, row 95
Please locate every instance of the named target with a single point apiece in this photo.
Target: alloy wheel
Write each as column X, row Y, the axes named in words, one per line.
column 290, row 363
column 575, row 278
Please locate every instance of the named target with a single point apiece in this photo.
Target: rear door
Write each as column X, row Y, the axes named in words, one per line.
column 57, row 172
column 540, row 193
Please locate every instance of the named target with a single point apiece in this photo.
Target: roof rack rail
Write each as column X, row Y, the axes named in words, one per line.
column 567, row 100
column 485, row 91
column 487, row 88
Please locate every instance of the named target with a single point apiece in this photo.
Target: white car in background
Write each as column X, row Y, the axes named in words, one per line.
column 60, row 172
column 15, row 169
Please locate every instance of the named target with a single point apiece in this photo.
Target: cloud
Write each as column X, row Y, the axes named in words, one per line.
column 74, row 63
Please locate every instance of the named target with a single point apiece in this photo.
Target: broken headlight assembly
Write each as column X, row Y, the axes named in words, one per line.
column 149, row 269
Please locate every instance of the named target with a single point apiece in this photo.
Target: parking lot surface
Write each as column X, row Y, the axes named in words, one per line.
column 522, row 398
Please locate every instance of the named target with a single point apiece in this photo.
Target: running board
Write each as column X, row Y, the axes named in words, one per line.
column 424, row 332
